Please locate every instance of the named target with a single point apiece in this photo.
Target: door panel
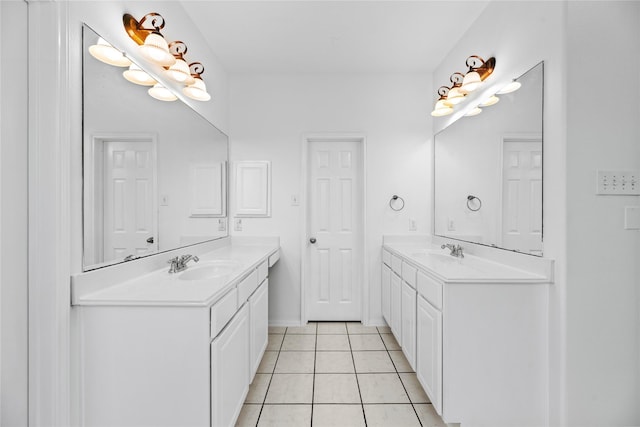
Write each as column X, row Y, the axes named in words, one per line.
column 334, row 276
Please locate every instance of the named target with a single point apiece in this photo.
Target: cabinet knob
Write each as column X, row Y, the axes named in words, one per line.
column 312, row 240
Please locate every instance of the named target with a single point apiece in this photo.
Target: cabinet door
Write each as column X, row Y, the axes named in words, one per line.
column 230, row 370
column 259, row 330
column 408, row 304
column 396, row 307
column 429, row 351
column 386, row 294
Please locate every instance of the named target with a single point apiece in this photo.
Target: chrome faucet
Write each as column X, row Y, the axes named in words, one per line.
column 179, row 263
column 456, row 250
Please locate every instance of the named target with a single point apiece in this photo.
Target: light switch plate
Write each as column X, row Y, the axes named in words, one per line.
column 238, row 224
column 620, row 183
column 632, row 218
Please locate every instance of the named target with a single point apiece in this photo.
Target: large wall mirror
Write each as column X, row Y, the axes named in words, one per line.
column 155, row 173
column 488, row 172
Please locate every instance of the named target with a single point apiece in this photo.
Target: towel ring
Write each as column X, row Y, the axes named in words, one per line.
column 393, row 199
column 470, row 199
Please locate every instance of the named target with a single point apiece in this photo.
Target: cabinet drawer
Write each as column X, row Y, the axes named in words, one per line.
column 430, row 289
column 409, row 274
column 396, row 264
column 263, row 270
column 386, row 257
column 223, row 311
column 247, row 286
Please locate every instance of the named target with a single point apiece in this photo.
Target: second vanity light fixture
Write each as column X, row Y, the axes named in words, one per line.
column 463, row 84
column 155, row 49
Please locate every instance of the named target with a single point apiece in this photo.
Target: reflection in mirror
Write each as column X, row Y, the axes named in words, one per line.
column 488, row 172
column 154, row 174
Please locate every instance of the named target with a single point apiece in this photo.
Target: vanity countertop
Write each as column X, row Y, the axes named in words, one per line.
column 471, row 269
column 161, row 288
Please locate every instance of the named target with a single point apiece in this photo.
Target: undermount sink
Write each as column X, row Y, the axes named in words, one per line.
column 209, row 270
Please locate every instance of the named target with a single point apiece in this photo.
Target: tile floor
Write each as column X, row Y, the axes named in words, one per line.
column 335, row 374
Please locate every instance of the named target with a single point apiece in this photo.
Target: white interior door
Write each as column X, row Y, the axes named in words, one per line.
column 335, row 227
column 130, row 213
column 522, row 196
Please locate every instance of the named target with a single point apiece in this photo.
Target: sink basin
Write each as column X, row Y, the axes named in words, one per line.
column 209, row 270
column 436, row 256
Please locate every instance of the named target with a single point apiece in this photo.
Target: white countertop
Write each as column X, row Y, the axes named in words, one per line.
column 471, row 269
column 158, row 287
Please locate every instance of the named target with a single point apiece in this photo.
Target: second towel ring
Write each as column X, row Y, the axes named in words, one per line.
column 470, row 200
column 393, row 201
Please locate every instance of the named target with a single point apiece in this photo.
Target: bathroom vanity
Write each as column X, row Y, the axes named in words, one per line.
column 174, row 349
column 473, row 329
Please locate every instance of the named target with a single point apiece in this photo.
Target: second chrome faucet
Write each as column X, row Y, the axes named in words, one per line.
column 179, row 263
column 456, row 250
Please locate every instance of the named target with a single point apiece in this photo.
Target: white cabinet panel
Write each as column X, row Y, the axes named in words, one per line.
column 408, row 309
column 386, row 294
column 409, row 274
column 253, row 189
column 396, row 307
column 230, row 370
column 223, row 310
column 259, row 329
column 386, row 257
column 430, row 289
column 429, row 350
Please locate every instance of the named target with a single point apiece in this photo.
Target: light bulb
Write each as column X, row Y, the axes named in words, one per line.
column 197, row 90
column 135, row 75
column 161, row 93
column 155, row 49
column 441, row 109
column 470, row 82
column 180, row 72
column 108, row 54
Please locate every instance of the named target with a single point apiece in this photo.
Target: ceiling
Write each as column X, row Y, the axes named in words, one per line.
column 299, row 36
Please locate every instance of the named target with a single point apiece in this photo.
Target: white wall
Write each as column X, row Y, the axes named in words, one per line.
column 270, row 114
column 13, row 214
column 603, row 332
column 519, row 35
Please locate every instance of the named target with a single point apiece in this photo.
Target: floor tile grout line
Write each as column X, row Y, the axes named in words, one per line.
column 355, row 372
column 401, row 382
column 273, row 371
column 313, row 382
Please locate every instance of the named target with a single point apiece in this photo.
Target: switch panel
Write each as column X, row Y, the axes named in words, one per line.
column 621, row 183
column 238, row 224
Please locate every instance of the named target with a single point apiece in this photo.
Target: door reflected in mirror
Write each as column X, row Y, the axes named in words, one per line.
column 154, row 173
column 488, row 172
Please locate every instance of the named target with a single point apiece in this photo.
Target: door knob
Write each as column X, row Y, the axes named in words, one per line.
column 150, row 239
column 312, row 240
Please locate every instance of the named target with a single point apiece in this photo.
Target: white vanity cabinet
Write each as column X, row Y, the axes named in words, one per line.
column 475, row 332
column 386, row 293
column 395, row 294
column 162, row 362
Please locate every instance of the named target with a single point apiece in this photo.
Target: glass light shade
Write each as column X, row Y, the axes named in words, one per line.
column 108, row 54
column 470, row 82
column 197, row 91
column 455, row 96
column 491, row 101
column 155, row 49
column 511, row 87
column 161, row 93
column 474, row 112
column 135, row 75
column 180, row 72
column 441, row 109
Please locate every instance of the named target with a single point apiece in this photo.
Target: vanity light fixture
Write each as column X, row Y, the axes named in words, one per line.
column 108, row 54
column 161, row 93
column 479, row 70
column 511, row 87
column 153, row 46
column 442, row 108
column 179, row 72
column 455, row 95
column 136, row 75
column 197, row 90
